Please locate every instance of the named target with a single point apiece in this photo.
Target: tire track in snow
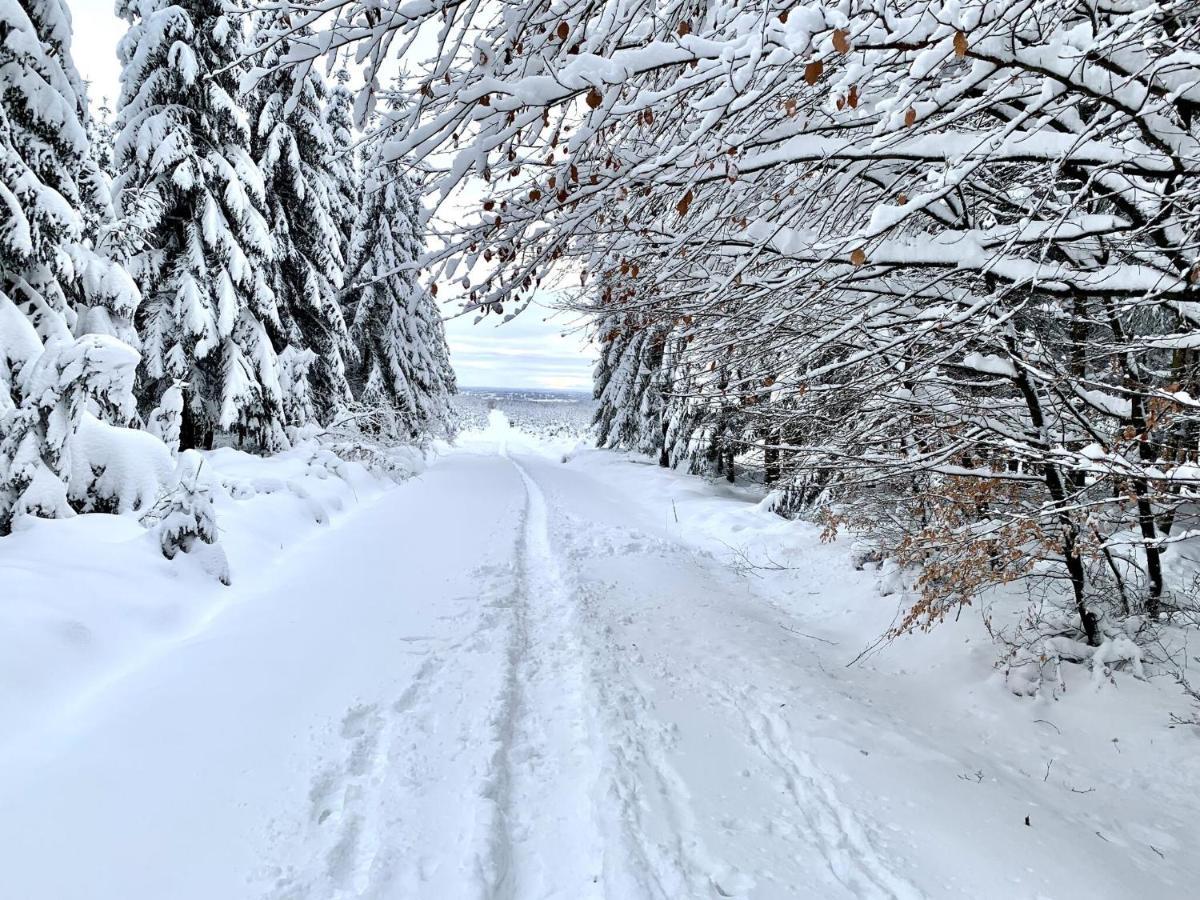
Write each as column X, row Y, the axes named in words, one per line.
column 371, row 824
column 653, row 849
column 826, row 823
column 545, row 838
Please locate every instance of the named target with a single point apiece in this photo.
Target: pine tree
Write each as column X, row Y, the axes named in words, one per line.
column 207, row 300
column 53, row 282
column 43, row 144
column 404, row 361
column 347, row 184
column 295, row 150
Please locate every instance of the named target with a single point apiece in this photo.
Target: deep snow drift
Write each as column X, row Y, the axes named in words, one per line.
column 540, row 670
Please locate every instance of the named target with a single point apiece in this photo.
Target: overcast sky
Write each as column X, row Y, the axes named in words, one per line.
column 537, row 349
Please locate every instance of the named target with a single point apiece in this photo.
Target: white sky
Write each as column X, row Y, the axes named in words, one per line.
column 529, row 352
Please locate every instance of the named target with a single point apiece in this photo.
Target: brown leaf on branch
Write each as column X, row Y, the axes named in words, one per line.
column 685, row 28
column 563, row 30
column 910, row 117
column 858, row 257
column 813, row 71
column 960, row 44
column 594, row 99
column 841, row 43
column 682, row 206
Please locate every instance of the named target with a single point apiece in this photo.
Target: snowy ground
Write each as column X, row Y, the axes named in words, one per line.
column 514, row 676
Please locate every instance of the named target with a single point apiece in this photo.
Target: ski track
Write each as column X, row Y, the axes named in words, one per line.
column 545, row 841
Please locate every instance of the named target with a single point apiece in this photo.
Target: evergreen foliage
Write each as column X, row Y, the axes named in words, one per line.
column 205, row 273
column 395, row 324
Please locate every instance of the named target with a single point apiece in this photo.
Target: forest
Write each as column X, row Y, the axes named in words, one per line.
column 205, row 265
column 871, row 568
column 931, row 269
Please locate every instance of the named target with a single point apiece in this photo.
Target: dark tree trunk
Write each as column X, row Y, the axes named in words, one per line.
column 771, row 471
column 1056, row 486
column 189, row 439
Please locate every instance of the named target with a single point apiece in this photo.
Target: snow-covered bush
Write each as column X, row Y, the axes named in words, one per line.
column 54, row 454
column 376, row 436
column 185, row 518
column 115, row 469
column 166, row 419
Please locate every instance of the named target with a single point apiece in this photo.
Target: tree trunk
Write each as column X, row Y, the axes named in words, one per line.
column 771, row 471
column 1056, row 486
column 188, row 437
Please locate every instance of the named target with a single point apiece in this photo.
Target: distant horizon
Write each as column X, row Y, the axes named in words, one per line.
column 528, row 390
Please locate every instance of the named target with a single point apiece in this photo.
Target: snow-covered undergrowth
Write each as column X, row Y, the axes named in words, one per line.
column 88, row 596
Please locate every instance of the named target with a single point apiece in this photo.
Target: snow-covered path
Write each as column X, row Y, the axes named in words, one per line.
column 512, row 678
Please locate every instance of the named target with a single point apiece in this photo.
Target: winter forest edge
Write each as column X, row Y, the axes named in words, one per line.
column 937, row 289
column 923, row 275
column 210, row 266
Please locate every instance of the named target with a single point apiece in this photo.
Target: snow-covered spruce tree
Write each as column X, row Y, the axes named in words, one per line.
column 342, row 163
column 43, row 144
column 55, row 456
column 628, row 386
column 185, row 517
column 395, row 323
column 53, row 282
column 207, row 300
column 295, row 150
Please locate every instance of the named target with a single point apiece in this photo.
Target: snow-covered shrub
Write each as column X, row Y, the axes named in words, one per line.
column 378, row 437
column 166, row 419
column 114, row 469
column 295, row 365
column 185, row 518
column 43, row 461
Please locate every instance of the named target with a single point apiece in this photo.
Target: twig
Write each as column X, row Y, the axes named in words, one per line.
column 805, row 634
column 1047, row 722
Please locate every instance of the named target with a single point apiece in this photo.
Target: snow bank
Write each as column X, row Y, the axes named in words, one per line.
column 87, row 597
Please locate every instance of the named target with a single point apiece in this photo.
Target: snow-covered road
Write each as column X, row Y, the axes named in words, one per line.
column 515, row 678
